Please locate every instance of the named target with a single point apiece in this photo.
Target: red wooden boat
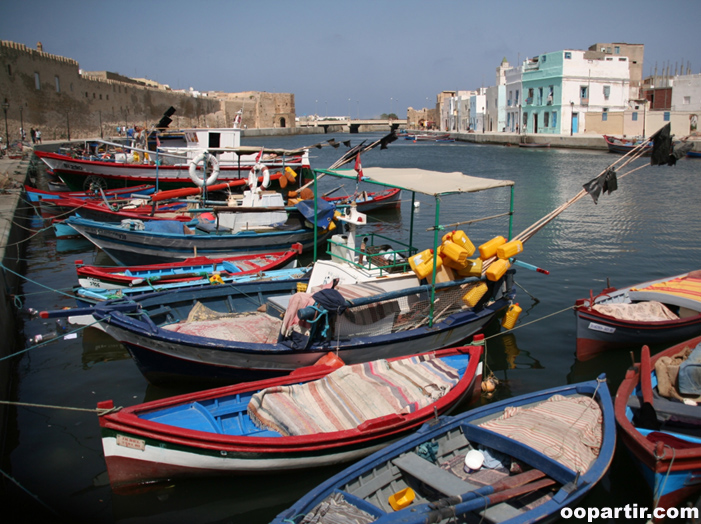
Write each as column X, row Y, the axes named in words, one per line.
column 241, row 429
column 36, row 195
column 371, row 201
column 662, row 435
column 655, row 312
column 115, row 277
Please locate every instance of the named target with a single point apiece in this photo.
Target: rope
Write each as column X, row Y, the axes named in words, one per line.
column 529, row 323
column 2, row 266
column 100, row 411
column 8, row 477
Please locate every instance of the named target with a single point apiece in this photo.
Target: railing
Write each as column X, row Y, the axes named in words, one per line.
column 584, row 101
column 529, row 100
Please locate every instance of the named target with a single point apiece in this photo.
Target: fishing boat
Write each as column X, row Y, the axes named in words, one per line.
column 519, row 460
column 377, row 307
column 654, row 312
column 196, row 268
column 172, row 168
column 623, row 145
column 659, row 428
column 257, row 223
column 268, row 427
column 36, row 195
column 88, row 296
column 370, row 201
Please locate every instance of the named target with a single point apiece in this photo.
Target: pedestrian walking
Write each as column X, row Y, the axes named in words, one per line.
column 33, row 134
column 38, row 136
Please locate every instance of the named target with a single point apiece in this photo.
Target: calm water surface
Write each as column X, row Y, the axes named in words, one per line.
column 649, row 228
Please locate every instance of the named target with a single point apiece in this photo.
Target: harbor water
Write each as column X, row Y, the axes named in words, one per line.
column 54, row 469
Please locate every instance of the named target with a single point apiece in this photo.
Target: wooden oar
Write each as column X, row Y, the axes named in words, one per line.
column 647, row 417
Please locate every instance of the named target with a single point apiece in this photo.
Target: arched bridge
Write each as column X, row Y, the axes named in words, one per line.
column 353, row 126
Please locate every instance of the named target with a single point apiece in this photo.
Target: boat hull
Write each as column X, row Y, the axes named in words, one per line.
column 164, row 356
column 128, row 247
column 672, row 473
column 139, row 450
column 374, row 473
column 598, row 332
column 80, row 174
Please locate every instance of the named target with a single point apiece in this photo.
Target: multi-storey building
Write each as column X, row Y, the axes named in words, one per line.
column 559, row 88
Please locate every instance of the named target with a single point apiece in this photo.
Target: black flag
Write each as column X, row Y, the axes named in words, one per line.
column 661, row 146
column 606, row 182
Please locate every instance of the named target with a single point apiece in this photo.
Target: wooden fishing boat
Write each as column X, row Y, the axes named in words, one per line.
column 196, row 268
column 623, row 145
column 36, row 195
column 519, row 460
column 116, row 210
column 662, row 434
column 261, row 224
column 121, row 165
column 387, row 309
column 263, row 427
column 370, row 201
column 693, row 154
column 654, row 312
column 86, row 297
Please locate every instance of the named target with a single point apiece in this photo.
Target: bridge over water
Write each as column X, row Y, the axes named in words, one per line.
column 353, row 126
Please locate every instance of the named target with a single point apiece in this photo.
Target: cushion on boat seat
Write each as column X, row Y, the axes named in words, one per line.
column 689, row 381
column 569, row 430
column 353, row 394
column 650, row 311
column 257, row 328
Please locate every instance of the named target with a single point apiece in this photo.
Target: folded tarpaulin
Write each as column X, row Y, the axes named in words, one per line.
column 325, row 211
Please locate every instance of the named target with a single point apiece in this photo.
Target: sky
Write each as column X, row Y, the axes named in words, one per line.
column 363, row 57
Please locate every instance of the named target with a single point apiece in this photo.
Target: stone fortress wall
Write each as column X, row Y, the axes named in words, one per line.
column 49, row 92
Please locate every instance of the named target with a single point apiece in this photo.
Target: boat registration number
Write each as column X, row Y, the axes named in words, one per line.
column 130, row 442
column 603, row 329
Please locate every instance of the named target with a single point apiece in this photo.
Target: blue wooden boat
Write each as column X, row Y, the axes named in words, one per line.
column 89, row 296
column 261, row 427
column 36, row 195
column 515, row 461
column 662, row 434
column 139, row 242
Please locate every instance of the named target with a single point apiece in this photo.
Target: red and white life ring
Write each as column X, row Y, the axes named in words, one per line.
column 205, row 158
column 256, row 171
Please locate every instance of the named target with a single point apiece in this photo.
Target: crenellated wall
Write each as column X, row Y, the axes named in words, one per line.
column 51, row 93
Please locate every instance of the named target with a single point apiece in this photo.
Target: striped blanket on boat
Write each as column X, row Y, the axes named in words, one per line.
column 353, row 394
column 566, row 429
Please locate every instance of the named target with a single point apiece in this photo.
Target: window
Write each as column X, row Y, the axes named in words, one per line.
column 546, row 119
column 37, row 81
column 604, row 116
column 58, row 84
column 687, row 100
column 617, row 50
column 666, row 116
column 635, row 116
column 525, row 120
column 607, row 92
column 551, row 91
column 543, row 59
column 554, row 121
column 568, row 55
column 516, row 99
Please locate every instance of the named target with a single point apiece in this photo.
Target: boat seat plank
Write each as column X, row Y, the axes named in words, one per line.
column 439, row 479
column 371, row 485
column 500, row 512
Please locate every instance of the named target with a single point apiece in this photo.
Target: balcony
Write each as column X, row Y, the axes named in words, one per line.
column 583, row 101
column 529, row 100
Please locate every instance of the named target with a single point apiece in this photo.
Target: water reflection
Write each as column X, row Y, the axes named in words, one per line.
column 99, row 347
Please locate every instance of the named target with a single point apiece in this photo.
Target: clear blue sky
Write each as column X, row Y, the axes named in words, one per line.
column 383, row 55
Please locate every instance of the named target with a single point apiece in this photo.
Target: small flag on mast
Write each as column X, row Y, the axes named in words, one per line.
column 358, row 168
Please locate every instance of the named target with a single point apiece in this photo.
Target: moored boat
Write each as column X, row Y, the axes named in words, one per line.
column 659, row 428
column 268, row 427
column 518, row 460
column 623, row 145
column 653, row 312
column 196, row 268
column 36, row 195
column 370, row 201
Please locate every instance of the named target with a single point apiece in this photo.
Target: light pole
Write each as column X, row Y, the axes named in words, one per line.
column 350, row 117
column 571, row 118
column 316, row 111
column 5, row 107
column 358, row 102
